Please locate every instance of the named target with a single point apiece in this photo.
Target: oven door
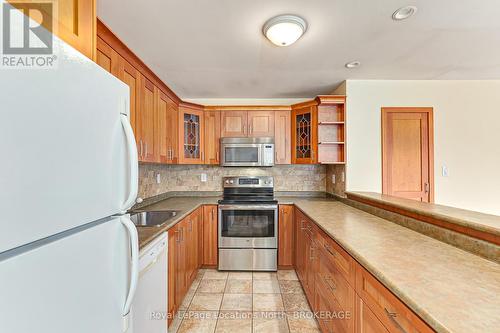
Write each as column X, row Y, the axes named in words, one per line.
column 245, row 154
column 248, row 226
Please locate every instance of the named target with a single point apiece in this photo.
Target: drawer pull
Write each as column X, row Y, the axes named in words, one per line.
column 302, row 225
column 311, row 253
column 329, row 249
column 392, row 317
column 332, row 285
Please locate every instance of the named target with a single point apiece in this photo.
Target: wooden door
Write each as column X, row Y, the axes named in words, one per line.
column 300, row 246
column 180, row 277
column 210, row 235
column 130, row 76
column 407, row 153
column 172, row 271
column 107, row 58
column 212, row 137
column 146, row 121
column 75, row 22
column 309, row 265
column 191, row 136
column 282, row 140
column 166, row 139
column 234, row 124
column 285, row 236
column 367, row 322
column 305, row 135
column 260, row 123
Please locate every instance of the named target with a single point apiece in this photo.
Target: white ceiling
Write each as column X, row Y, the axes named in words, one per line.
column 215, row 49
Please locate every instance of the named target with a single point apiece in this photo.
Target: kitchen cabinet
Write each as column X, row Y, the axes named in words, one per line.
column 306, row 253
column 107, row 58
column 389, row 310
column 147, row 120
column 331, row 130
column 210, row 236
column 172, row 272
column 212, row 137
column 234, row 124
column 191, row 135
column 130, row 76
column 260, row 123
column 75, row 22
column 282, row 139
column 367, row 322
column 192, row 225
column 285, row 236
column 304, row 133
column 167, row 136
column 237, row 123
column 184, row 260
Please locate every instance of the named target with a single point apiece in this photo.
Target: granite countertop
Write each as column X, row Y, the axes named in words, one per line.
column 451, row 289
column 470, row 219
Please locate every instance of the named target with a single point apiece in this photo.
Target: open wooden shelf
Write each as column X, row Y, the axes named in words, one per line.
column 331, row 123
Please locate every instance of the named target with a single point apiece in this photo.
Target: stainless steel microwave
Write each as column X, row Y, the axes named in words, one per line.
column 247, row 151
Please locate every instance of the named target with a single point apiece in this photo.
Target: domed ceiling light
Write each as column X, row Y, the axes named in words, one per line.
column 284, row 30
column 404, row 13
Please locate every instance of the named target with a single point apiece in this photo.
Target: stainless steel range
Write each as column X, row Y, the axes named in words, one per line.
column 248, row 225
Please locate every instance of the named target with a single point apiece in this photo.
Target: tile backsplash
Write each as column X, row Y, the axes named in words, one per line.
column 339, row 186
column 188, row 177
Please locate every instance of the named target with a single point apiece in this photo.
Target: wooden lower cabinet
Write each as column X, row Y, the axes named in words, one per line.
column 345, row 296
column 183, row 258
column 367, row 322
column 210, row 249
column 285, row 236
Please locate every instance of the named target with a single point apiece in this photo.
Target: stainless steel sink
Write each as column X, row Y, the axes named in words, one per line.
column 152, row 218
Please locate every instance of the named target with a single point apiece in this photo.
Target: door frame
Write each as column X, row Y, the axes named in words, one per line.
column 430, row 117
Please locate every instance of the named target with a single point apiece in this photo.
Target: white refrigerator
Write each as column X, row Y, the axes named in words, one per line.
column 68, row 174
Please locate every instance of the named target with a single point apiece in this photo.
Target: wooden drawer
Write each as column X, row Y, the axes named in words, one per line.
column 366, row 321
column 337, row 286
column 336, row 318
column 338, row 257
column 394, row 314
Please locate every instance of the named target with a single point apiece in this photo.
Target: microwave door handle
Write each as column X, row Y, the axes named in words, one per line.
column 133, row 164
column 134, row 267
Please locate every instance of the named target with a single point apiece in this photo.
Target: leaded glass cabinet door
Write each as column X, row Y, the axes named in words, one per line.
column 191, row 136
column 305, row 135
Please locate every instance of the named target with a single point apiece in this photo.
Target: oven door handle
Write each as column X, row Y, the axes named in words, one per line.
column 248, row 207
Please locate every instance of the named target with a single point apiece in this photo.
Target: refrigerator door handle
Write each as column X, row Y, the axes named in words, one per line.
column 134, row 267
column 134, row 163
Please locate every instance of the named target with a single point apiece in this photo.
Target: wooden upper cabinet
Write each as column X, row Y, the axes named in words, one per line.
column 212, row 137
column 305, row 135
column 130, row 76
column 147, row 121
column 191, row 135
column 75, row 22
column 166, row 139
column 107, row 58
column 282, row 138
column 285, row 236
column 260, row 123
column 234, row 124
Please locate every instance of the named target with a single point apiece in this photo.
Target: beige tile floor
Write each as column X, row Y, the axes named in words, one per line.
column 245, row 302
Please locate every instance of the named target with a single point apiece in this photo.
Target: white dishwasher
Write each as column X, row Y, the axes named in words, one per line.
column 149, row 308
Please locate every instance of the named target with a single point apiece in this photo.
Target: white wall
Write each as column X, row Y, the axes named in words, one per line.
column 466, row 137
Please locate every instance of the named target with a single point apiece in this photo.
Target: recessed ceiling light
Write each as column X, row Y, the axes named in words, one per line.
column 403, row 13
column 284, row 30
column 353, row 64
